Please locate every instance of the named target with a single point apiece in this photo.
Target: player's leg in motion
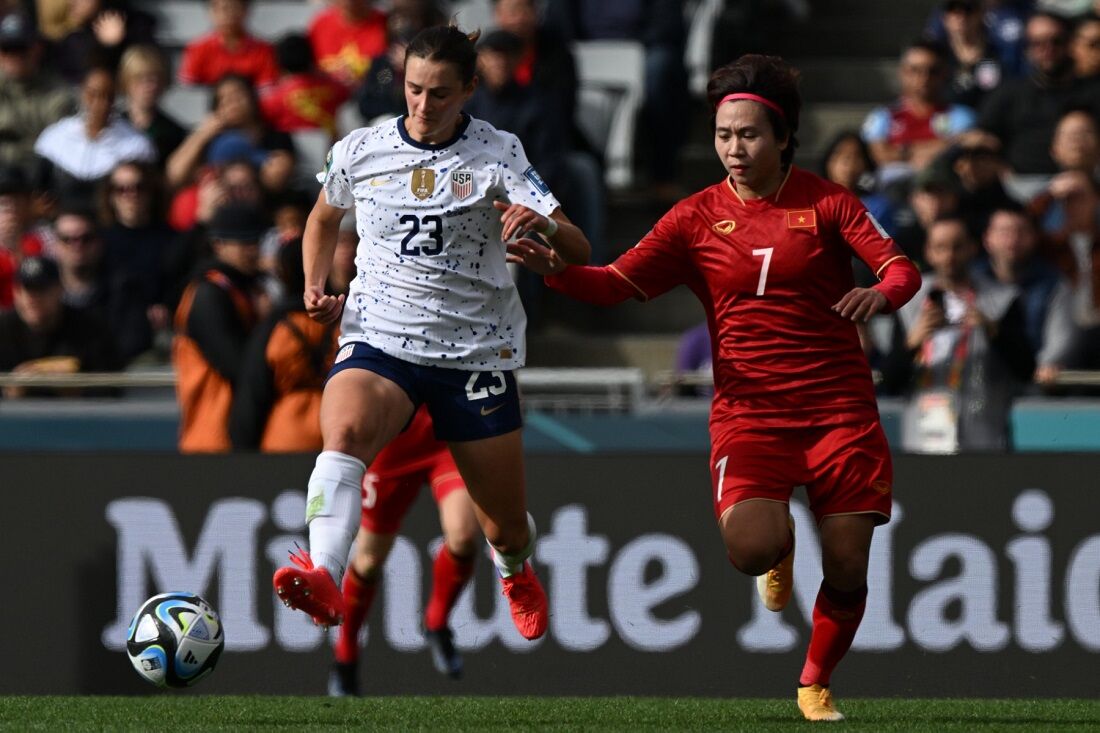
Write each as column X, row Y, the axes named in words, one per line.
column 360, row 412
column 360, row 583
column 845, row 552
column 451, row 570
column 493, row 471
column 759, row 538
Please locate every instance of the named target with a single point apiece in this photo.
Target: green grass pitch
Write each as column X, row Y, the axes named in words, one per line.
column 184, row 711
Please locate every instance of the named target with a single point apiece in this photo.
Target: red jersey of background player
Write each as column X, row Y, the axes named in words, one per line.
column 768, row 272
column 304, row 102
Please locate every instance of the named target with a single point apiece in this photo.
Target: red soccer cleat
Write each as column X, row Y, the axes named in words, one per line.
column 310, row 589
column 528, row 601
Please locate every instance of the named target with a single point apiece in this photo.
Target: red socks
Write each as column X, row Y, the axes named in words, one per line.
column 449, row 575
column 358, row 597
column 836, row 618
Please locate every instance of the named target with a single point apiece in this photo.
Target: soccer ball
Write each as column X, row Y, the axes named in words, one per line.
column 175, row 639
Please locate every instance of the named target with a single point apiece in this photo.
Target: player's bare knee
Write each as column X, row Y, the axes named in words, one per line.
column 463, row 546
column 753, row 558
column 845, row 572
column 368, row 566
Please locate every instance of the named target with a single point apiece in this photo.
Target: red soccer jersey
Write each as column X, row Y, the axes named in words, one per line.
column 344, row 50
column 768, row 272
column 304, row 102
column 208, row 59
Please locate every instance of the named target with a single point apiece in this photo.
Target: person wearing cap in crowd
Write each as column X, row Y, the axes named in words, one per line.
column 215, row 316
column 81, row 150
column 42, row 335
column 16, row 238
column 31, row 99
column 277, row 394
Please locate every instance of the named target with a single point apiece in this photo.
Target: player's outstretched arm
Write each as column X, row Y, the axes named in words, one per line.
column 566, row 238
column 318, row 247
column 595, row 285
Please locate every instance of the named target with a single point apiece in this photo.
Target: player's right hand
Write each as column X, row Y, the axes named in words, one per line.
column 322, row 307
column 535, row 257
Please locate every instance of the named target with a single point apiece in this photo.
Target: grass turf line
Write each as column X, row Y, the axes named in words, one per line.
column 178, row 710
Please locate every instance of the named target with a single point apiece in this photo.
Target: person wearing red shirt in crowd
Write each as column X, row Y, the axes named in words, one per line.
column 229, row 49
column 346, row 37
column 768, row 253
column 303, row 99
column 412, row 459
column 17, row 241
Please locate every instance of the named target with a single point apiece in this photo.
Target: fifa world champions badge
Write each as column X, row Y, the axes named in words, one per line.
column 422, row 183
column 462, row 184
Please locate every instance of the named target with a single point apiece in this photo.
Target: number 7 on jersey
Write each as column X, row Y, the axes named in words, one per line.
column 766, row 253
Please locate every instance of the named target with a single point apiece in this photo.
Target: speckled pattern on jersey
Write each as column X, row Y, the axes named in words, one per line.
column 433, row 285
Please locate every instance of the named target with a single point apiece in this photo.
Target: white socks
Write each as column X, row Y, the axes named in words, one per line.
column 333, row 504
column 509, row 565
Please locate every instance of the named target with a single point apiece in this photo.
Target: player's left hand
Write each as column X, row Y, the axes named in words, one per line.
column 535, row 257
column 859, row 304
column 517, row 219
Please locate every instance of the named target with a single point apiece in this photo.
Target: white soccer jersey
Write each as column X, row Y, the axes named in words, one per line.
column 433, row 285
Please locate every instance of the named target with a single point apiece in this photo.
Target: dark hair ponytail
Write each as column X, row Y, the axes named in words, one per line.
column 448, row 44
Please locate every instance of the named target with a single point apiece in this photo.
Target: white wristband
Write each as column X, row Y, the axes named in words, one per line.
column 551, row 228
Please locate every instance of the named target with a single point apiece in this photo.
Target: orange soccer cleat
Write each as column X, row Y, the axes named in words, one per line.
column 530, row 611
column 311, row 589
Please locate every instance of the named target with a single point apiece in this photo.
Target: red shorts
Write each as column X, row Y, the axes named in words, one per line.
column 413, row 459
column 846, row 469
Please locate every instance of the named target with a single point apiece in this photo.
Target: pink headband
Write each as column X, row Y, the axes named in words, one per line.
column 755, row 98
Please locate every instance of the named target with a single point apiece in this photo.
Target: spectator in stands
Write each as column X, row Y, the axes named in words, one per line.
column 17, row 239
column 935, row 194
column 907, row 135
column 1084, row 49
column 215, row 317
column 968, row 350
column 99, row 30
column 979, row 168
column 137, row 235
column 277, row 395
column 289, row 213
column 1070, row 211
column 229, row 49
column 659, row 26
column 1004, row 21
column 847, row 161
column 234, row 129
column 974, row 66
column 346, row 38
column 142, row 79
column 44, row 336
column 31, row 99
column 303, row 98
column 1021, row 114
column 79, row 151
column 117, row 298
column 1012, row 244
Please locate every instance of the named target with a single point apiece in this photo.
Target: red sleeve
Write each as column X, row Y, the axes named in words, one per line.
column 863, row 233
column 267, row 72
column 900, row 282
column 189, row 65
column 654, row 266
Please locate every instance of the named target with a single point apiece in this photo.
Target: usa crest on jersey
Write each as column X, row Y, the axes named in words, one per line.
column 462, row 184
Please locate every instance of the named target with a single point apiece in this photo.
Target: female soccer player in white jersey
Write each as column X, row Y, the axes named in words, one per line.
column 432, row 317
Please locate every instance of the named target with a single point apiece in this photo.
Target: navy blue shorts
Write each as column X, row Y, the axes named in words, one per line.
column 464, row 405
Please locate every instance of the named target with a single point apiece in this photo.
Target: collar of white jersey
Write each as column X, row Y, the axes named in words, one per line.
column 459, row 132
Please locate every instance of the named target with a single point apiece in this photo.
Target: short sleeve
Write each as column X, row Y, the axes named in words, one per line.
column 863, row 233
column 659, row 262
column 335, row 180
column 876, row 127
column 522, row 183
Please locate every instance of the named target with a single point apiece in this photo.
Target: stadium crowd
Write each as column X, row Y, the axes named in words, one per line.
column 126, row 238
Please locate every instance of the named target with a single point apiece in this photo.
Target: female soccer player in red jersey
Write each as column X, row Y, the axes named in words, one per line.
column 768, row 252
column 412, row 459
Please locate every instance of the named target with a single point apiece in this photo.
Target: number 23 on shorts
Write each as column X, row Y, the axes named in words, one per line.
column 497, row 387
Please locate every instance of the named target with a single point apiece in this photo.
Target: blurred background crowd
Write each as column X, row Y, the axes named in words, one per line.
column 157, row 160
